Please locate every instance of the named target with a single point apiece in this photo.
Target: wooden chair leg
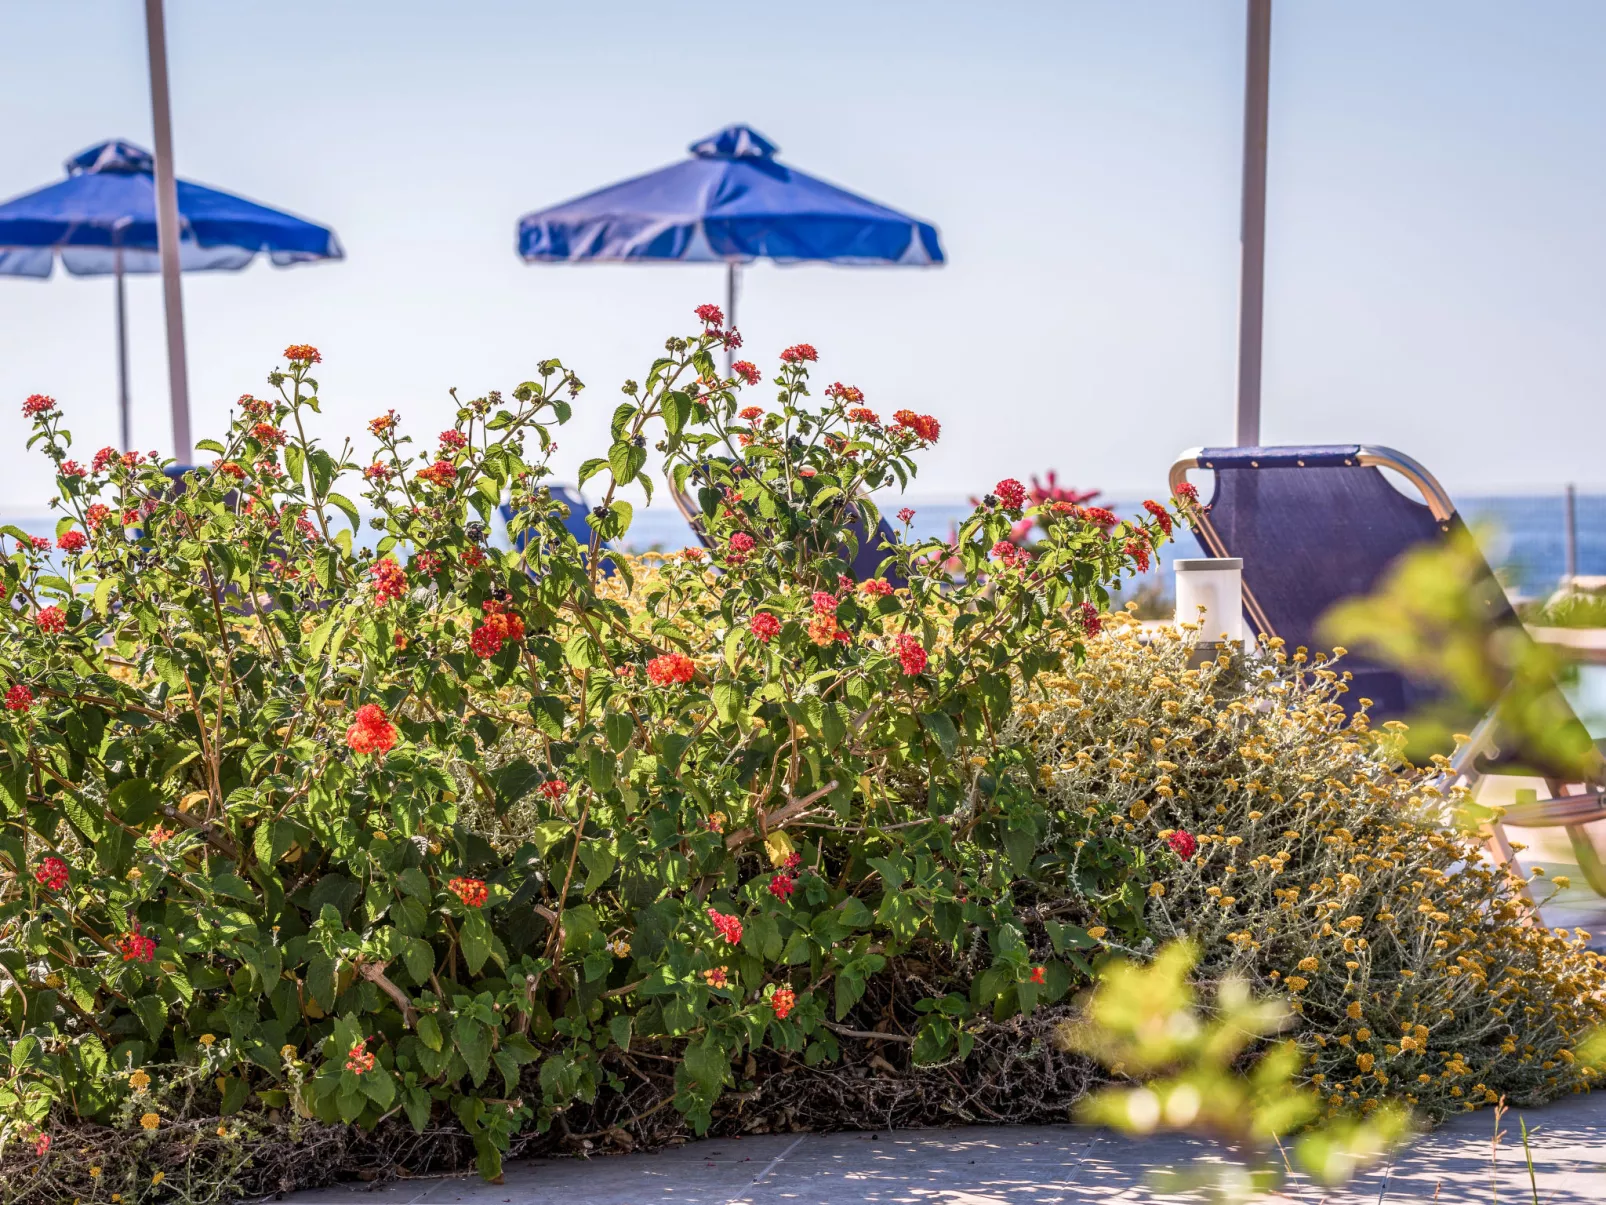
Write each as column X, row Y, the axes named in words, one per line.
column 1588, row 857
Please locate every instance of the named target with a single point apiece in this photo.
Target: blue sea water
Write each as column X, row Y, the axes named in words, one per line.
column 1522, row 535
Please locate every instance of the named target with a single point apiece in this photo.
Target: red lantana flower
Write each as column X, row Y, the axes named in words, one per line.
column 268, row 435
column 38, row 403
column 359, row 1059
column 385, row 422
column 860, row 414
column 440, row 473
column 1091, row 623
column 1187, row 492
column 799, row 352
column 711, row 315
column 453, row 439
column 728, row 927
column 372, row 731
column 19, row 698
column 40, row 543
column 554, row 788
column 96, row 513
column 783, row 1001
column 906, row 516
column 748, row 372
column 1182, row 844
column 924, row 427
column 427, row 563
column 1040, row 975
column 844, row 393
column 1011, row 494
column 911, row 654
column 1138, row 550
column 72, row 541
column 752, row 413
column 472, row 892
column 765, row 626
column 135, row 946
column 302, row 353
column 51, row 619
column 71, row 468
column 390, row 580
column 878, row 587
column 740, row 545
column 377, row 472
column 51, row 874
column 823, row 603
column 671, row 669
column 1161, row 515
column 782, row 886
column 103, row 458
column 500, row 626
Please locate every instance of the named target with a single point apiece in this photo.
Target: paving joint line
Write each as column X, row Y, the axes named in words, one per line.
column 771, row 1166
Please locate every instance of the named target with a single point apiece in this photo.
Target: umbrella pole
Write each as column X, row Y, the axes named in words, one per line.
column 731, row 270
column 167, row 231
column 1257, row 73
column 123, row 417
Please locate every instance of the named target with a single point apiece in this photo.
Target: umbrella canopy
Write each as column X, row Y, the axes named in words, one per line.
column 731, row 202
column 108, row 202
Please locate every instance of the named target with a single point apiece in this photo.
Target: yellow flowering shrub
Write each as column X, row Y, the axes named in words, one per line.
column 1290, row 844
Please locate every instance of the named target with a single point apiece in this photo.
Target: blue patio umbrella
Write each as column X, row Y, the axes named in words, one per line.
column 732, row 202
column 101, row 221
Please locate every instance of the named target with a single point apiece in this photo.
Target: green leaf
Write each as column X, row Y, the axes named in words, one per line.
column 103, row 595
column 473, row 1042
column 134, row 801
column 599, row 769
column 325, row 561
column 589, row 470
column 295, row 462
column 728, row 701
column 320, row 637
column 548, row 833
column 152, row 1012
column 619, row 1028
column 475, row 936
column 169, row 669
column 676, row 409
column 348, row 508
column 429, row 1031
column 626, row 460
column 941, row 726
column 618, row 727
column 210, row 445
column 419, row 958
column 600, row 863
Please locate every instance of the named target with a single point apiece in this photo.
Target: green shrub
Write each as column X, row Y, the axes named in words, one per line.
column 1295, row 850
column 298, row 832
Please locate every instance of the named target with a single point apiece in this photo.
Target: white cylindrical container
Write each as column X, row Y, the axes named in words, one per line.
column 1217, row 585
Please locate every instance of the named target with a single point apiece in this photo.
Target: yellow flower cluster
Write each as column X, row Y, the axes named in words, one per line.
column 1318, row 868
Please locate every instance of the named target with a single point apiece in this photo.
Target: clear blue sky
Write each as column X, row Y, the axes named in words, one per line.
column 1437, row 191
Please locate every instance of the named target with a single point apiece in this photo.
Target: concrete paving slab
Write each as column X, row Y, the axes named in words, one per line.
column 1024, row 1165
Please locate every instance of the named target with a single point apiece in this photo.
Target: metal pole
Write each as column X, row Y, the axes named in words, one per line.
column 125, row 420
column 167, row 231
column 1257, row 91
column 1572, row 532
column 732, row 268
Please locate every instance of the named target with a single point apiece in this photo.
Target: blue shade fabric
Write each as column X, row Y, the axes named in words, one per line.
column 1314, row 527
column 1313, row 535
column 108, row 200
column 732, row 202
